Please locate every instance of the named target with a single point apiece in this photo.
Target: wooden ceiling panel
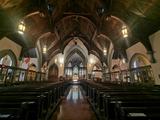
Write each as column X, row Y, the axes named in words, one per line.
column 73, row 18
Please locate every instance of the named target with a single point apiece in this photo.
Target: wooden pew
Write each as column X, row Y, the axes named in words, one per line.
column 139, row 113
column 110, row 101
column 44, row 96
column 47, row 96
column 35, row 107
column 108, row 96
column 15, row 110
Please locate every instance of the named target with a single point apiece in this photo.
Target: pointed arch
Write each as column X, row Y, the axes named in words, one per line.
column 138, row 60
column 11, row 54
column 53, row 73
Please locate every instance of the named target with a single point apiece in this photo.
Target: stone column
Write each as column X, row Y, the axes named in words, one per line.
column 155, row 67
column 104, row 71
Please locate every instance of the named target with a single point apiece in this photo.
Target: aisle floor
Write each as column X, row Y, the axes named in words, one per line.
column 74, row 107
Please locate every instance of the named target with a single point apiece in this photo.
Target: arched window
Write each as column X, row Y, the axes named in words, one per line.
column 81, row 65
column 53, row 73
column 68, row 70
column 75, row 70
column 70, row 65
column 139, row 60
column 141, row 70
column 6, row 60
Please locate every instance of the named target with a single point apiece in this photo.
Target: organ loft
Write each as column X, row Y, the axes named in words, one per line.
column 79, row 59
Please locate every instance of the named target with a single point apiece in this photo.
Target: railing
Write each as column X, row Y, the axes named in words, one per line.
column 135, row 75
column 11, row 75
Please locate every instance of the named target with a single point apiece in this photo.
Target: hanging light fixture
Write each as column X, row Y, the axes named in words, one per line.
column 104, row 51
column 21, row 27
column 124, row 31
column 44, row 49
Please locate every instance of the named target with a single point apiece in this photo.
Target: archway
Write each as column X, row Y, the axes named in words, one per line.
column 139, row 60
column 97, row 73
column 53, row 73
column 140, row 69
column 8, row 58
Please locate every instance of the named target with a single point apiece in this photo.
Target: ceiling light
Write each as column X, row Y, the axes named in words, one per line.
column 123, row 60
column 104, row 51
column 124, row 31
column 44, row 49
column 21, row 27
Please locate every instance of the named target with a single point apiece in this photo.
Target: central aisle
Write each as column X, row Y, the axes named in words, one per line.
column 74, row 107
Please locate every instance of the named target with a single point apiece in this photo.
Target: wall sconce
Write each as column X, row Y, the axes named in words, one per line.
column 44, row 49
column 123, row 60
column 21, row 27
column 104, row 51
column 55, row 60
column 124, row 31
column 89, row 65
column 61, row 59
column 91, row 61
column 61, row 65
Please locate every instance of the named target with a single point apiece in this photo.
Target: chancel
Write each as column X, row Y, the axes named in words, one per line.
column 79, row 60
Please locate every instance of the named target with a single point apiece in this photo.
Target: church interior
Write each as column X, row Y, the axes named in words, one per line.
column 79, row 59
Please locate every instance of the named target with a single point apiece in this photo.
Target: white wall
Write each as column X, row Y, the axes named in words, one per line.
column 136, row 48
column 155, row 42
column 6, row 43
column 92, row 60
column 139, row 48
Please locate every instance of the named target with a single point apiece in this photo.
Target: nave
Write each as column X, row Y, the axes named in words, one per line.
column 110, row 47
column 44, row 101
column 86, row 101
column 74, row 106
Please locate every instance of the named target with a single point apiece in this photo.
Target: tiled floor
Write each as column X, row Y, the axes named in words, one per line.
column 74, row 107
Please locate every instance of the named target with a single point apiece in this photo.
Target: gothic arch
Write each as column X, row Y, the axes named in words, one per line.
column 138, row 60
column 53, row 72
column 11, row 54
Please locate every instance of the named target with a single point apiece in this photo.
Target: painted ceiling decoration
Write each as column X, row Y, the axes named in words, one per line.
column 97, row 23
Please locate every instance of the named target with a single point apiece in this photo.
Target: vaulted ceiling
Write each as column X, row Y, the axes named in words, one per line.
column 97, row 23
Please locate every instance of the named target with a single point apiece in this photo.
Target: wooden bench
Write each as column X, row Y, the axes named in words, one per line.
column 44, row 98
column 47, row 96
column 110, row 102
column 108, row 97
column 36, row 108
column 15, row 110
column 139, row 113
